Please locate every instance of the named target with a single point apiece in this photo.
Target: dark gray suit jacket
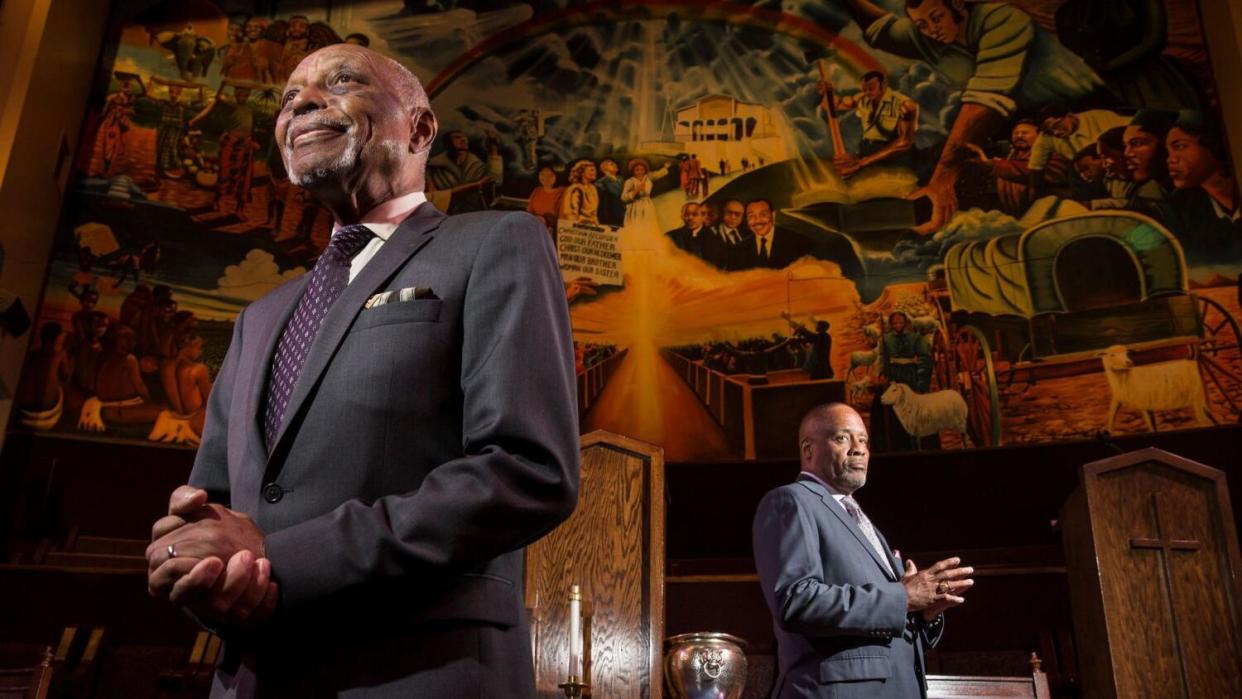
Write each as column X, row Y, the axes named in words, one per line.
column 838, row 609
column 425, row 444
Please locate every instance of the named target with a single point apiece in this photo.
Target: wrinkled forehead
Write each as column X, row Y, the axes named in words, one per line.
column 329, row 59
column 844, row 420
column 834, row 421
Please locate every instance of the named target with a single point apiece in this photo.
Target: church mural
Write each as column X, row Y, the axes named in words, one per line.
column 980, row 223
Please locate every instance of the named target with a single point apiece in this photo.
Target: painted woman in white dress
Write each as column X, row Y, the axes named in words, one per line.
column 636, row 193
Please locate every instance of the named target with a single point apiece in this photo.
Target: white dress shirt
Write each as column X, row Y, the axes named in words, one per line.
column 382, row 220
column 759, row 244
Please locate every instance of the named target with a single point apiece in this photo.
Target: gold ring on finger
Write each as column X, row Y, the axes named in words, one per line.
column 172, row 550
column 942, row 588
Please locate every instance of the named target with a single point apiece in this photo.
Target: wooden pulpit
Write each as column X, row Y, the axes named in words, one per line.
column 1153, row 562
column 613, row 547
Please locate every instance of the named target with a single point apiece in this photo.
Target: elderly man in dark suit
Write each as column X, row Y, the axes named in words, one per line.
column 386, row 433
column 697, row 238
column 849, row 622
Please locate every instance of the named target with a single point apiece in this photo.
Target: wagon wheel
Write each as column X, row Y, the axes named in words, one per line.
column 1220, row 354
column 943, row 369
column 976, row 381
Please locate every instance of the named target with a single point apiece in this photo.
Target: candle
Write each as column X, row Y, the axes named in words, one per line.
column 575, row 633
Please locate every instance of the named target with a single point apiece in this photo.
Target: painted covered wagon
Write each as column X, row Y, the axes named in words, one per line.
column 1044, row 303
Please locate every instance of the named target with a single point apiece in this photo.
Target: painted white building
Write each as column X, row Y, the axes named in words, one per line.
column 719, row 127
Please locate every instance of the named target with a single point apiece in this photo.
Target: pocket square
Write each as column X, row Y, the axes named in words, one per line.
column 409, row 293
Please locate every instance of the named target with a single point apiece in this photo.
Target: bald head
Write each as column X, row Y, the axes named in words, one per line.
column 833, row 444
column 355, row 126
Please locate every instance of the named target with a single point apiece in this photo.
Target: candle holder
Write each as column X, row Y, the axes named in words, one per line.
column 574, row 688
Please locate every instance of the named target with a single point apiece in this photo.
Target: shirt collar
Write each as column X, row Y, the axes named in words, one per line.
column 384, row 219
column 1221, row 213
column 835, row 495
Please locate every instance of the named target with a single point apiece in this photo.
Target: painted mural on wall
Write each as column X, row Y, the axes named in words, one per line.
column 980, row 223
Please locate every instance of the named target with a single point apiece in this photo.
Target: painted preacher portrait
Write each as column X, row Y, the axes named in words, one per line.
column 979, row 223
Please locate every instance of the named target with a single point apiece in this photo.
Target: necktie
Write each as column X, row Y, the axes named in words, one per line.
column 864, row 524
column 327, row 280
column 763, row 248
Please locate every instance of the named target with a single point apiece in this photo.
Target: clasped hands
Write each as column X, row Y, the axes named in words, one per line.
column 935, row 589
column 219, row 572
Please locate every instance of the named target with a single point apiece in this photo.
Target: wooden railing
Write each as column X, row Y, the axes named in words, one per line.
column 758, row 412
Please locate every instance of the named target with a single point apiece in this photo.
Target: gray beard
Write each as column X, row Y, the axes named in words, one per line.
column 331, row 171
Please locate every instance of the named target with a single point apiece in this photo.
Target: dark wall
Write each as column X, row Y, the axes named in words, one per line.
column 933, row 501
column 990, row 505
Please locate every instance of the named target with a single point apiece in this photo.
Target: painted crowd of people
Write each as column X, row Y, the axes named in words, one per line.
column 142, row 367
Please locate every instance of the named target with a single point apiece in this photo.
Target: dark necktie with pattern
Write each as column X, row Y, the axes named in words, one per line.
column 868, row 529
column 328, row 279
column 763, row 248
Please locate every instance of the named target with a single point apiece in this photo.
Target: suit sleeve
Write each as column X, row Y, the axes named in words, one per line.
column 786, row 545
column 211, row 464
column 517, row 477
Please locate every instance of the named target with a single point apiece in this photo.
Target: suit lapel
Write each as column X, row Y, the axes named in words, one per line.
column 408, row 239
column 838, row 510
column 896, row 563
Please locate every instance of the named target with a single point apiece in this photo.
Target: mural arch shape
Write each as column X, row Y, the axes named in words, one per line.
column 851, row 55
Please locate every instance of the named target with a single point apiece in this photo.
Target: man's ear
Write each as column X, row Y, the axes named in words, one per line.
column 423, row 131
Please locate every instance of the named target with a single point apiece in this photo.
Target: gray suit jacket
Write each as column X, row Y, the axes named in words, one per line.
column 838, row 608
column 425, row 444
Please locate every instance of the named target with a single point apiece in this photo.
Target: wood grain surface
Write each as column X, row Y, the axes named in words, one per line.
column 613, row 547
column 1153, row 563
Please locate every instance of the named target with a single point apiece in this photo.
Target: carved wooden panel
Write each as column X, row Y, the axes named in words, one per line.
column 1153, row 564
column 613, row 546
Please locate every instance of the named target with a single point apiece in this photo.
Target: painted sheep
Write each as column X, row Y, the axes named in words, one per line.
column 924, row 414
column 1159, row 386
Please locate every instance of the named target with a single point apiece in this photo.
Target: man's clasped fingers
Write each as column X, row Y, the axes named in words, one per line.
column 245, row 594
column 165, row 526
column 953, row 574
column 941, row 566
column 196, row 583
column 161, row 578
column 259, row 596
column 950, row 588
column 239, row 574
column 186, row 499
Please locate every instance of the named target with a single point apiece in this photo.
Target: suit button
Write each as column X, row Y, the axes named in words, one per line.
column 273, row 493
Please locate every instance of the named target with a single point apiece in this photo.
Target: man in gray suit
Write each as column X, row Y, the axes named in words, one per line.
column 848, row 622
column 386, row 433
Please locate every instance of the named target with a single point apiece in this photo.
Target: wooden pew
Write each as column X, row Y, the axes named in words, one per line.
column 974, row 687
column 193, row 680
column 94, row 553
column 28, row 682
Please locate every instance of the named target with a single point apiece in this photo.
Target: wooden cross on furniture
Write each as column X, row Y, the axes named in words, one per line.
column 1164, row 547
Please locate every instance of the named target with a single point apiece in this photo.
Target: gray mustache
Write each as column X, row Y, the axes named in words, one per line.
column 318, row 122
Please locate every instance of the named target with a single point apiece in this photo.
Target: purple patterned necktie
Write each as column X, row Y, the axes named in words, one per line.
column 327, row 280
column 864, row 524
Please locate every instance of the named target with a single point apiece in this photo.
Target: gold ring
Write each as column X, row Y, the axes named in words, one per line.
column 172, row 551
column 941, row 589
